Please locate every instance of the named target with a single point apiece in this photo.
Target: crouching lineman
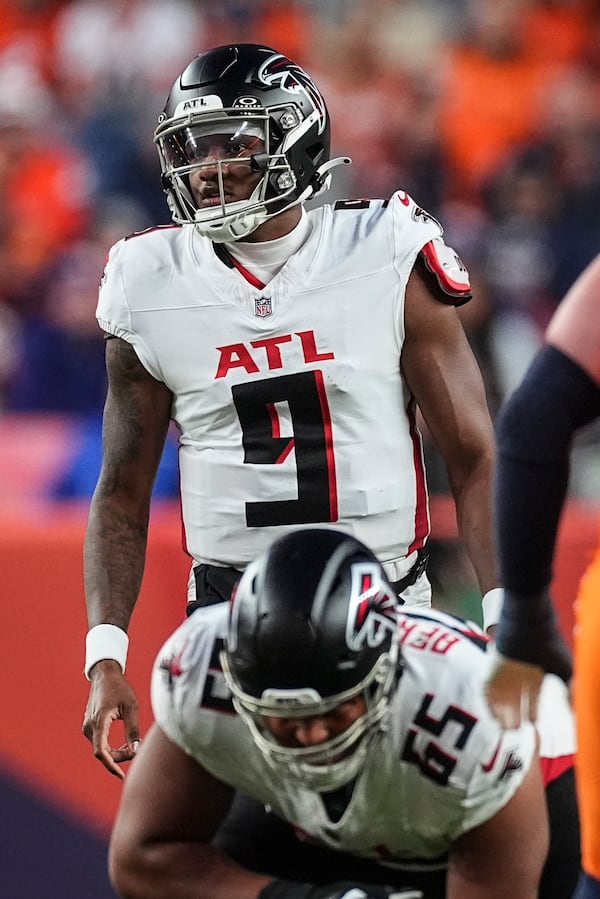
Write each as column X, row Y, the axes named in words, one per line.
column 364, row 732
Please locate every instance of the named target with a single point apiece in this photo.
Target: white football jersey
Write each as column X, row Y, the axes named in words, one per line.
column 289, row 398
column 443, row 766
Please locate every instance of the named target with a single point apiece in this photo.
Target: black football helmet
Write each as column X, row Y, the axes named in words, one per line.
column 240, row 90
column 313, row 624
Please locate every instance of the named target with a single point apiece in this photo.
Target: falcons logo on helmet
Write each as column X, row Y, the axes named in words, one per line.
column 279, row 70
column 373, row 609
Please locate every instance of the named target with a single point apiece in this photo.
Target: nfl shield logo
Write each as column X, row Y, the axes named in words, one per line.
column 262, row 306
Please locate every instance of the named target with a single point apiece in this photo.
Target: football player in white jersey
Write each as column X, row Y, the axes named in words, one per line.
column 363, row 729
column 292, row 350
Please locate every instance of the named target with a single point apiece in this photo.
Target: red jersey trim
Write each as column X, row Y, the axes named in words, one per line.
column 553, row 768
column 250, row 278
column 422, row 522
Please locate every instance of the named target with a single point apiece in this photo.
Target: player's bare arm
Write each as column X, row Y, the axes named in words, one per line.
column 505, row 855
column 136, row 420
column 170, row 810
column 443, row 375
column 575, row 326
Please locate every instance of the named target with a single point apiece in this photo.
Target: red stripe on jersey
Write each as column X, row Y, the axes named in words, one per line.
column 250, row 278
column 553, row 768
column 283, row 455
column 331, row 477
column 275, row 429
column 422, row 522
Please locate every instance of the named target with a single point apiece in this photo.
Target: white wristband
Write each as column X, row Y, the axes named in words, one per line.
column 105, row 641
column 491, row 605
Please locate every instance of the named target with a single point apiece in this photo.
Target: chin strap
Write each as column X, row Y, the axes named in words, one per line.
column 241, row 225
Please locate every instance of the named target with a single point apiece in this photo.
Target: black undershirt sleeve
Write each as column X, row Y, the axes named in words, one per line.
column 535, row 431
column 534, row 434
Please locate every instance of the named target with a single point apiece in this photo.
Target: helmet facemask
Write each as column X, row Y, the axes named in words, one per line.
column 276, row 131
column 329, row 765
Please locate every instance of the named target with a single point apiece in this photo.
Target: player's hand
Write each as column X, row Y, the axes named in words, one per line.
column 513, row 690
column 287, row 889
column 111, row 698
column 529, row 632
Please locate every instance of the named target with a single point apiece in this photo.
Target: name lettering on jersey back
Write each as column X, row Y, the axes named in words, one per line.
column 267, row 354
column 432, row 638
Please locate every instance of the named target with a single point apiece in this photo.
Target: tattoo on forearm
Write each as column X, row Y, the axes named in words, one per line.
column 136, row 419
column 133, row 423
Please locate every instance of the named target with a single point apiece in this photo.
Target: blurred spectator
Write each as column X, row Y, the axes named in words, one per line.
column 569, row 136
column 61, row 367
column 379, row 117
column 27, row 29
column 113, row 67
column 286, row 26
column 118, row 50
column 490, row 91
column 519, row 263
column 61, row 364
column 44, row 184
column 10, row 347
column 544, row 227
column 557, row 30
column 409, row 34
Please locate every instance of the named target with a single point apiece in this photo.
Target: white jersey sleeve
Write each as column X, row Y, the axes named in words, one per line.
column 137, row 270
column 113, row 311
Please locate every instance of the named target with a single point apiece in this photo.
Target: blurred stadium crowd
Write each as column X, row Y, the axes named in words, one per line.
column 487, row 112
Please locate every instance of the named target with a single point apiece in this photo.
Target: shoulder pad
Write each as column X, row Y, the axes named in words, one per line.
column 451, row 275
